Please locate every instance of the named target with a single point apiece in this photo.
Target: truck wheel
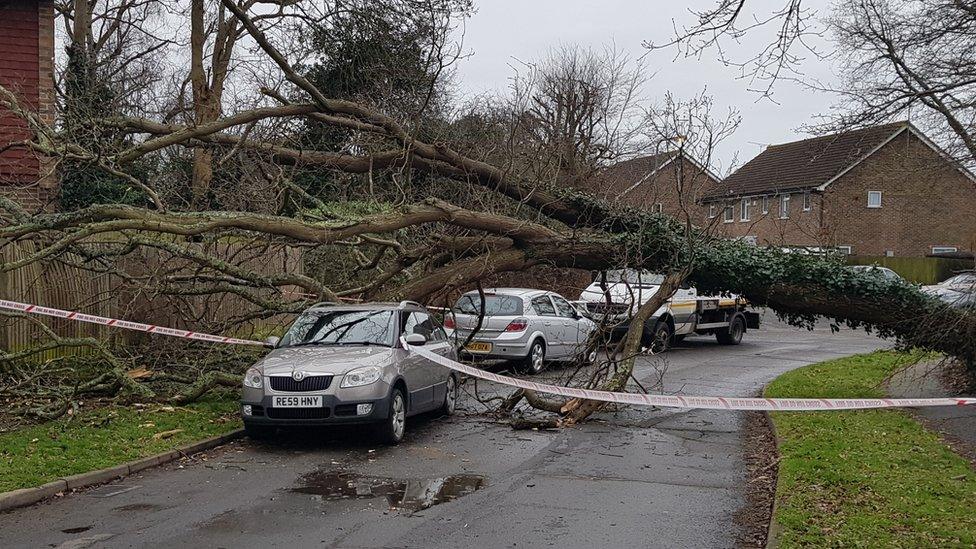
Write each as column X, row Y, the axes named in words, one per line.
column 534, row 362
column 658, row 338
column 732, row 336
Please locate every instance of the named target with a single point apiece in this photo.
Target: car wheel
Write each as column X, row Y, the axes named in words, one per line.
column 535, row 361
column 588, row 357
column 450, row 397
column 658, row 339
column 733, row 335
column 258, row 432
column 391, row 431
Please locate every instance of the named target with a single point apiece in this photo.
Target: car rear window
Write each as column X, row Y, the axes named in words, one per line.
column 495, row 305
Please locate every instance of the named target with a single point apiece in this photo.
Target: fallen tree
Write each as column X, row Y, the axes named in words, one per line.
column 428, row 249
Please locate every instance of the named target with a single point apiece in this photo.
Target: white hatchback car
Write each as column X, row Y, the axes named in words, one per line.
column 530, row 327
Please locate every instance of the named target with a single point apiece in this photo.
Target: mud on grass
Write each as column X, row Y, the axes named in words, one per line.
column 107, row 436
column 762, row 461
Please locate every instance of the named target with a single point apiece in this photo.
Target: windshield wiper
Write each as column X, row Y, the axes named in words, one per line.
column 304, row 343
column 340, row 343
column 363, row 343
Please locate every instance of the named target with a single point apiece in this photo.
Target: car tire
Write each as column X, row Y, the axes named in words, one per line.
column 392, row 429
column 733, row 335
column 535, row 361
column 450, row 396
column 259, row 432
column 588, row 357
column 658, row 338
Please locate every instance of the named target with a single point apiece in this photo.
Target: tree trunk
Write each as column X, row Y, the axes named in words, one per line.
column 578, row 410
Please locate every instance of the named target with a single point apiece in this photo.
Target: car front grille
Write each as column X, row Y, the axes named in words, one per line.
column 310, row 383
column 298, row 413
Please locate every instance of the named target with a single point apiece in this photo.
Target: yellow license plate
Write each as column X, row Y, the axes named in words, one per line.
column 478, row 347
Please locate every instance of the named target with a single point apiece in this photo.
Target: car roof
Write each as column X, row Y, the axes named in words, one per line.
column 369, row 306
column 515, row 292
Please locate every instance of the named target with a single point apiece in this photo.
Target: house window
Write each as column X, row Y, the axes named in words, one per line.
column 847, row 250
column 729, row 214
column 944, row 249
column 784, row 206
column 765, row 204
column 806, row 202
column 657, row 208
column 712, row 211
column 874, row 199
column 744, row 210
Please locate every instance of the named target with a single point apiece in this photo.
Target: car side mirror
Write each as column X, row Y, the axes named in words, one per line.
column 272, row 342
column 416, row 340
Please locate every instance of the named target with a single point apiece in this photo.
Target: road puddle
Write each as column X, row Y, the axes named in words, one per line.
column 409, row 494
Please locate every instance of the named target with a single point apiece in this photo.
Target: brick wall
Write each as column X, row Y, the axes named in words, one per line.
column 926, row 202
column 26, row 69
column 800, row 226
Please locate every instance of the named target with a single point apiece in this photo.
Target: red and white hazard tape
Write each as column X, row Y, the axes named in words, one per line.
column 676, row 401
column 701, row 402
column 116, row 323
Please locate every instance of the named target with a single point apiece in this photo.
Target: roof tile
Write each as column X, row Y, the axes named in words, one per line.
column 805, row 164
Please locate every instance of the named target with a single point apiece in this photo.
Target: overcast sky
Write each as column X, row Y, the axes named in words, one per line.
column 504, row 30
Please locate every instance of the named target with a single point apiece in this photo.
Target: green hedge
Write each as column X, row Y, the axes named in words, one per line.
column 923, row 270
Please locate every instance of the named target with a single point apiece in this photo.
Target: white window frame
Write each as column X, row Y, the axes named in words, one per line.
column 849, row 250
column 807, row 202
column 712, row 211
column 765, row 204
column 784, row 206
column 744, row 210
column 944, row 249
column 728, row 214
column 874, row 193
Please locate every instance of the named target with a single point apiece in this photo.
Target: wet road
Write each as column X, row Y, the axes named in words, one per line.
column 639, row 478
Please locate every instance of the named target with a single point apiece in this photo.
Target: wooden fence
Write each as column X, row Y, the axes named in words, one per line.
column 64, row 282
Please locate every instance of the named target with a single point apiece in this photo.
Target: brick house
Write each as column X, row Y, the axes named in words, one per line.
column 27, row 70
column 881, row 191
column 667, row 182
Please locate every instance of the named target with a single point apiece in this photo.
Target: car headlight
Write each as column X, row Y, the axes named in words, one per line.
column 361, row 376
column 253, row 379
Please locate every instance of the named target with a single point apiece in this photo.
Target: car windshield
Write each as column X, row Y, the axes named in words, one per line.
column 634, row 276
column 965, row 279
column 343, row 327
column 495, row 305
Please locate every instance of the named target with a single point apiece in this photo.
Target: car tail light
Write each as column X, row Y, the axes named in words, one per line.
column 449, row 322
column 517, row 325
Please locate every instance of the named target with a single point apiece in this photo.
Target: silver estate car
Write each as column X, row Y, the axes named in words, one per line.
column 341, row 364
column 527, row 326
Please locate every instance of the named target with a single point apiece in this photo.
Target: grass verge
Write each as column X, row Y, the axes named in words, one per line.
column 867, row 478
column 108, row 436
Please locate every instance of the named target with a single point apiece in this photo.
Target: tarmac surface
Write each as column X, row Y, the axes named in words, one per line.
column 635, row 478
